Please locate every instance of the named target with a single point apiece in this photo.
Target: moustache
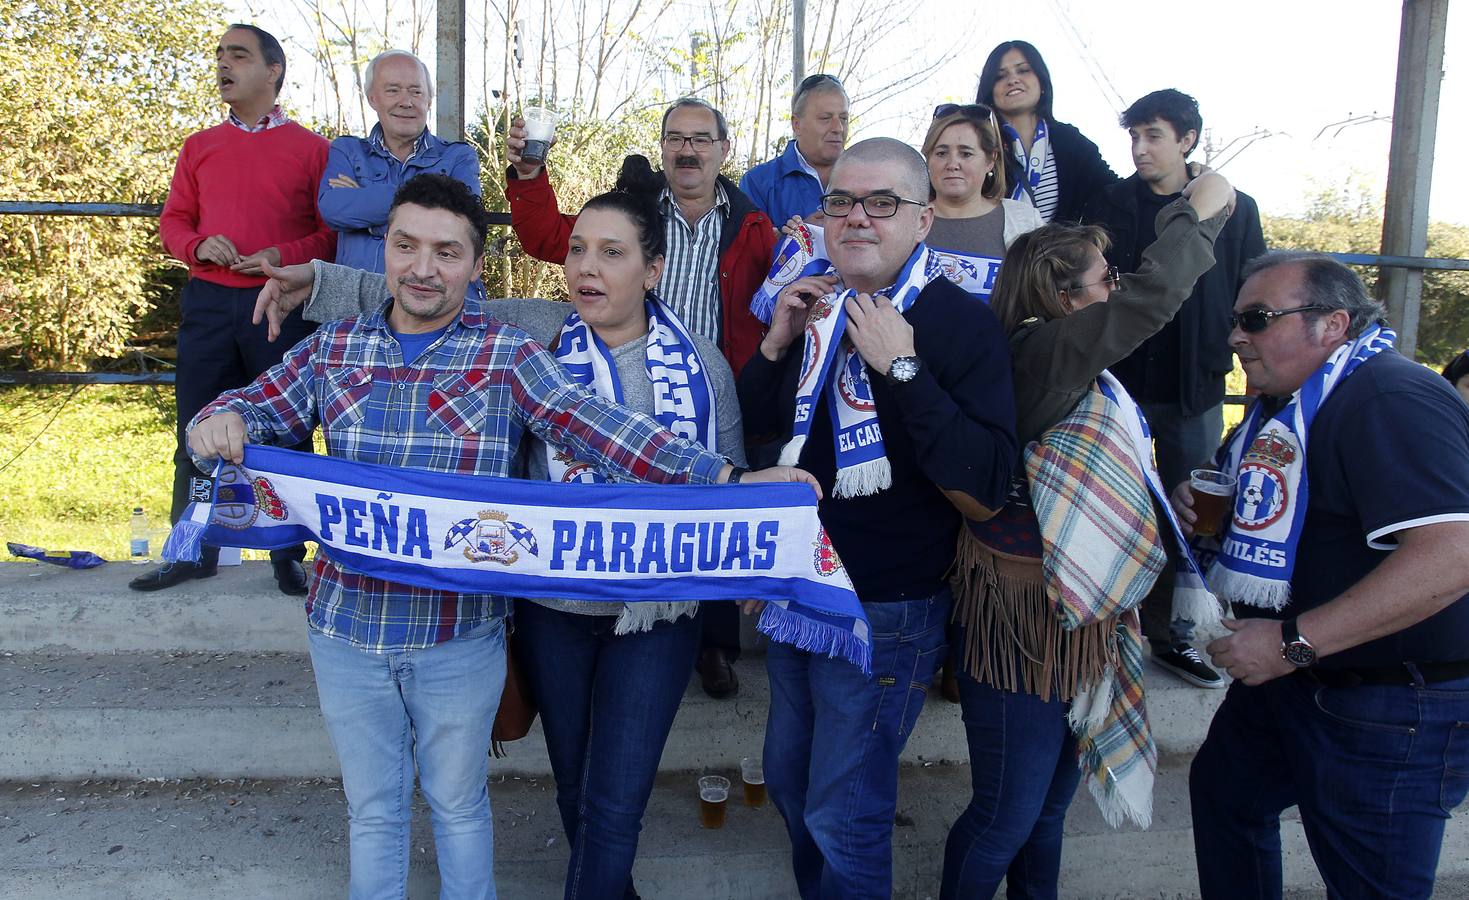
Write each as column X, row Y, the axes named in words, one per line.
column 410, row 281
column 686, row 161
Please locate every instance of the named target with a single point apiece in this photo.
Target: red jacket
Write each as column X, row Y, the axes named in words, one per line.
column 744, row 254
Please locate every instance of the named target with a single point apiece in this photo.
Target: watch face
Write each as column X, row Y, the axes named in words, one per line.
column 903, row 369
column 1299, row 654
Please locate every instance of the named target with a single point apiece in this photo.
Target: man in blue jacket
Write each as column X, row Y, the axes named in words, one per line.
column 792, row 183
column 362, row 174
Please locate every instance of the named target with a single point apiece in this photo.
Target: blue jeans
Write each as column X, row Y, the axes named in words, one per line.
column 1022, row 764
column 607, row 703
column 436, row 706
column 832, row 744
column 1374, row 770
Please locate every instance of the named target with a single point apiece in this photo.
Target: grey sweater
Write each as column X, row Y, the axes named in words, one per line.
column 340, row 292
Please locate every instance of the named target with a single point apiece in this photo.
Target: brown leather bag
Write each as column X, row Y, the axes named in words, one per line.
column 517, row 710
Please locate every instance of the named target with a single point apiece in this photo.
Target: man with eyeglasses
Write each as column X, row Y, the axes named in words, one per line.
column 1177, row 375
column 893, row 388
column 719, row 251
column 1346, row 560
column 792, row 183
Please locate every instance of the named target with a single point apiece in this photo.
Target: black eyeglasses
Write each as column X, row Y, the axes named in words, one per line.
column 877, row 206
column 976, row 110
column 1254, row 321
column 1111, row 280
column 700, row 142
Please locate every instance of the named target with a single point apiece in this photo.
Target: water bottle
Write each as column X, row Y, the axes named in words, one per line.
column 138, row 536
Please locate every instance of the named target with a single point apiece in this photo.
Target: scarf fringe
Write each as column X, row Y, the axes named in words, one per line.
column 790, row 454
column 863, row 479
column 185, row 542
column 1196, row 604
column 1130, row 797
column 1012, row 637
column 639, row 617
column 1251, row 590
column 813, row 636
column 1091, row 706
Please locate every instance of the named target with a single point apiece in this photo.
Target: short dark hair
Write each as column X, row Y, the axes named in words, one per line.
column 721, row 129
column 636, row 196
column 433, row 190
column 1325, row 282
column 270, row 51
column 989, row 76
column 1457, row 368
column 1174, row 107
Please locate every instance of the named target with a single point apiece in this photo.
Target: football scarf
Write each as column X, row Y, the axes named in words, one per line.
column 799, row 255
column 476, row 534
column 830, row 363
column 973, row 272
column 683, row 398
column 1033, row 164
column 1255, row 554
column 1192, row 598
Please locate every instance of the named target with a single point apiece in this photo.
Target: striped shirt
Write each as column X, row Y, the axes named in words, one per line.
column 273, row 119
column 1048, row 192
column 464, row 405
column 690, row 282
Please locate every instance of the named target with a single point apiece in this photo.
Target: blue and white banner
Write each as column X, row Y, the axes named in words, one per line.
column 972, row 272
column 796, row 256
column 475, row 534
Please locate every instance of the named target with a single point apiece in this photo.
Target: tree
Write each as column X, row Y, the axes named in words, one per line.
column 96, row 98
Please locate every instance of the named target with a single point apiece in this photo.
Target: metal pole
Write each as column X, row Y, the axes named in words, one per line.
column 449, row 55
column 798, row 43
column 1410, row 161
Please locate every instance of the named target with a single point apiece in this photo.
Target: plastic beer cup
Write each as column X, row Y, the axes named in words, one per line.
column 1213, row 492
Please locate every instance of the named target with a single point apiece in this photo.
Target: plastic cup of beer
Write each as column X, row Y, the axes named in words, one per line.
column 1213, row 492
column 540, row 130
column 713, row 796
column 752, row 773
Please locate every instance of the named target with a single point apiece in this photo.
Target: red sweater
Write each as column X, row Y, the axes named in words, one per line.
column 257, row 189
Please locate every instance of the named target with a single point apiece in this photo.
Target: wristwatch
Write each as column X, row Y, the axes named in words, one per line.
column 904, row 369
column 1294, row 648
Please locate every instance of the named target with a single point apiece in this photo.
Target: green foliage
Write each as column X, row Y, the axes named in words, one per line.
column 95, row 99
column 1348, row 219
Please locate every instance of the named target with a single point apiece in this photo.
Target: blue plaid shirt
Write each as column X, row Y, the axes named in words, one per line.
column 463, row 406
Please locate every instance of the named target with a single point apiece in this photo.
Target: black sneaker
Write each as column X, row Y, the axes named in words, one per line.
column 1185, row 662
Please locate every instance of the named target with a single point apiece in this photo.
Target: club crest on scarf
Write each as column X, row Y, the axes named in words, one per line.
column 825, row 556
column 240, row 500
column 1263, row 492
column 492, row 538
column 796, row 256
column 956, row 268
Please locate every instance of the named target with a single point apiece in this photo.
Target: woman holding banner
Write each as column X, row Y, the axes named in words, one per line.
column 1050, row 681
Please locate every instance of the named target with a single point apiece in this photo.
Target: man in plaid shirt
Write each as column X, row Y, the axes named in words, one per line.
column 408, row 675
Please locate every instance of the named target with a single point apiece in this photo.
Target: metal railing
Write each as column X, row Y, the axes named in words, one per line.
column 145, row 210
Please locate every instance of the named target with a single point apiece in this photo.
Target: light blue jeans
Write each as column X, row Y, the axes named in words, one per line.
column 436, row 706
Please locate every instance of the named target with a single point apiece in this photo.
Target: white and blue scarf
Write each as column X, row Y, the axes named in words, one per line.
column 1256, row 553
column 1192, row 598
column 683, row 397
column 1033, row 164
column 599, row 542
column 973, row 272
column 798, row 255
column 831, row 363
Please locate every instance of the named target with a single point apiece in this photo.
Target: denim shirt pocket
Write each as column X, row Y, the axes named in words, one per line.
column 345, row 405
column 457, row 404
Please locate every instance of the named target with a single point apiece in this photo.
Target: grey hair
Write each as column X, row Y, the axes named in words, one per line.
column 826, row 85
column 720, row 127
column 389, row 54
column 1325, row 282
column 911, row 167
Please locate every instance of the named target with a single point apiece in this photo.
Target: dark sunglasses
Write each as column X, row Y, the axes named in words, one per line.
column 977, row 110
column 1254, row 321
column 811, row 81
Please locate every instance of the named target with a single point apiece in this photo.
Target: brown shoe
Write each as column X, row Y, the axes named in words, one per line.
column 717, row 674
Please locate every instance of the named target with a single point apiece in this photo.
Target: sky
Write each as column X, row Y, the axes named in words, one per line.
column 1283, row 71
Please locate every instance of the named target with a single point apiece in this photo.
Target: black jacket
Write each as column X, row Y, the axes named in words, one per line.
column 1204, row 318
column 1080, row 170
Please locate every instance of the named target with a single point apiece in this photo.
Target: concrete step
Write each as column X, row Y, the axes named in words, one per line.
column 255, row 715
column 287, row 839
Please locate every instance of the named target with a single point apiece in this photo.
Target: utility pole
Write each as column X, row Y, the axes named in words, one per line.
column 798, row 43
column 1410, row 162
column 449, row 62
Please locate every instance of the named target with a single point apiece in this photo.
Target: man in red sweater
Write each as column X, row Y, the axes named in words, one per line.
column 719, row 251
column 243, row 193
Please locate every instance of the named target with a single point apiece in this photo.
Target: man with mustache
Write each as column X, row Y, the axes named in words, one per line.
column 243, row 196
column 719, row 251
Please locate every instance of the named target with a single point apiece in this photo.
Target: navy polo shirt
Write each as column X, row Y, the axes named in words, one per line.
column 1389, row 450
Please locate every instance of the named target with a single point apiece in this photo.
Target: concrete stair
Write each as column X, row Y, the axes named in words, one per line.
column 169, row 745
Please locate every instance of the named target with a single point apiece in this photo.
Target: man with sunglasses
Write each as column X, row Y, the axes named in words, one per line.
column 893, row 387
column 719, row 251
column 1177, row 375
column 1350, row 646
column 792, row 183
